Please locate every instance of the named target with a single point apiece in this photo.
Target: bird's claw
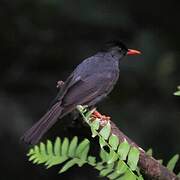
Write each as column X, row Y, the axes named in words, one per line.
column 59, row 84
column 96, row 114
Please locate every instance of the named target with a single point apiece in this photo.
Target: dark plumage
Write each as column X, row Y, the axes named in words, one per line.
column 89, row 83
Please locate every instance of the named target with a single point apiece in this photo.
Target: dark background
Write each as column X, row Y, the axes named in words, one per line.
column 43, row 40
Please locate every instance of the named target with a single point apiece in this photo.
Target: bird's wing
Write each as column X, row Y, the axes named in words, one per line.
column 89, row 88
column 71, row 80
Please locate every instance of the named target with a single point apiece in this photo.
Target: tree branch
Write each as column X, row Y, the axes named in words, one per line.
column 147, row 164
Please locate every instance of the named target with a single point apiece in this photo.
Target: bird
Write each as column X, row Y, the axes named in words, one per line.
column 90, row 82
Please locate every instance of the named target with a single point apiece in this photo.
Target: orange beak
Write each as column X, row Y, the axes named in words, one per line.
column 133, row 52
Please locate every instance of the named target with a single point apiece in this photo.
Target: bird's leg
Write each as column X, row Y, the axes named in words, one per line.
column 59, row 84
column 98, row 115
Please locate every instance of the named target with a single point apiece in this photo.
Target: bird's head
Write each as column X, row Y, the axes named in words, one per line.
column 118, row 49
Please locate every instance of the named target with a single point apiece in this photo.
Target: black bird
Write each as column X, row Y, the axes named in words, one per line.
column 89, row 83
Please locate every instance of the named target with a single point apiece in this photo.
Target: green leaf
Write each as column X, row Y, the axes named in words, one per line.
column 94, row 132
column 113, row 156
column 172, row 162
column 102, row 142
column 35, row 161
column 36, row 149
column 104, row 155
column 31, row 151
column 104, row 172
column 123, row 150
column 133, row 158
column 121, row 167
column 95, row 124
column 65, row 147
column 80, row 162
column 43, row 149
column 81, row 147
column 114, row 141
column 92, row 160
column 107, row 170
column 84, row 154
column 105, row 131
column 177, row 93
column 32, row 157
column 129, row 176
column 178, row 175
column 113, row 175
column 73, row 146
column 56, row 160
column 149, row 152
column 42, row 156
column 49, row 147
column 68, row 165
column 57, row 147
column 99, row 166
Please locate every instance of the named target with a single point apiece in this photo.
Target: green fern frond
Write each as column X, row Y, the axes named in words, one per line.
column 149, row 152
column 177, row 93
column 172, row 162
column 52, row 154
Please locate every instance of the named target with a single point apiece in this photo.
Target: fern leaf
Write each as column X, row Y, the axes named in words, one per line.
column 65, row 147
column 129, row 176
column 121, row 167
column 49, row 148
column 57, row 147
column 114, row 141
column 102, row 142
column 73, row 146
column 43, row 157
column 91, row 160
column 31, row 152
column 99, row 166
column 55, row 161
column 94, row 127
column 68, row 165
column 105, row 131
column 95, row 124
column 32, row 157
column 123, row 150
column 172, row 162
column 133, row 158
column 103, row 155
column 81, row 147
column 84, row 154
column 107, row 170
column 112, row 157
column 113, row 175
column 149, row 152
column 43, row 149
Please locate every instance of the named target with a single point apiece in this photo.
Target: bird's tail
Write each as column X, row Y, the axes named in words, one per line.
column 34, row 134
